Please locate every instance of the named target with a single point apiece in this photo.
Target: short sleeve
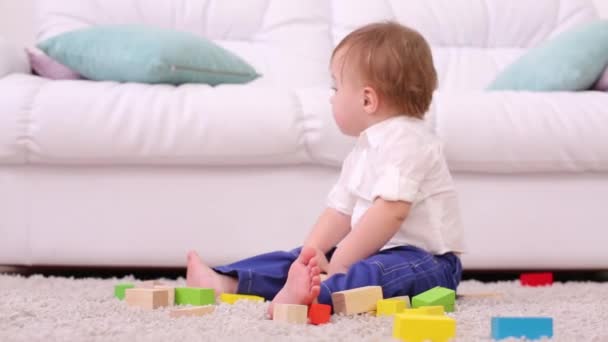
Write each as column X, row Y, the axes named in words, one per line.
column 402, row 170
column 340, row 198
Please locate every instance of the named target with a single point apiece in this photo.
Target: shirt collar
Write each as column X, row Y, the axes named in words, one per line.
column 374, row 135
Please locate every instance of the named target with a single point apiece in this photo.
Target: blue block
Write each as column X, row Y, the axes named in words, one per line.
column 528, row 327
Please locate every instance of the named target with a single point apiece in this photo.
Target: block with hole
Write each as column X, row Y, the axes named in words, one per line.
column 231, row 298
column 147, row 298
column 290, row 313
column 194, row 296
column 419, row 328
column 356, row 301
column 436, row 296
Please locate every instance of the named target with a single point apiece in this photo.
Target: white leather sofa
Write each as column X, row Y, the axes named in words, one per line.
column 107, row 174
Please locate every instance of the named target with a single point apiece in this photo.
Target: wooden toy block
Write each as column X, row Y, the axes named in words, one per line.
column 436, row 296
column 418, row 328
column 119, row 290
column 389, row 307
column 290, row 313
column 426, row 310
column 319, row 313
column 170, row 290
column 192, row 311
column 356, row 301
column 531, row 328
column 233, row 298
column 194, row 296
column 536, row 279
column 147, row 298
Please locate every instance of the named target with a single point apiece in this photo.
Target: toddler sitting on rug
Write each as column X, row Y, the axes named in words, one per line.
column 392, row 219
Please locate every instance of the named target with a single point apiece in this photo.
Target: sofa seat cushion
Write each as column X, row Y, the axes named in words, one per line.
column 86, row 122
column 524, row 132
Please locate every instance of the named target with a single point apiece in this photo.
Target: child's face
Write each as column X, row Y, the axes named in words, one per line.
column 347, row 99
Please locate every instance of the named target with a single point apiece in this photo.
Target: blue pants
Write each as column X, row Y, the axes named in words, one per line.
column 400, row 271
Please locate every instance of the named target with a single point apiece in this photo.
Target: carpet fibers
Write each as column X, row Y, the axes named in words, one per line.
column 38, row 308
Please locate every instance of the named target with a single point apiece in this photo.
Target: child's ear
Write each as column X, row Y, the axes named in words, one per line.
column 370, row 100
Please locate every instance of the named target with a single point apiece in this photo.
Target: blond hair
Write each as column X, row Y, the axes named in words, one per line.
column 396, row 61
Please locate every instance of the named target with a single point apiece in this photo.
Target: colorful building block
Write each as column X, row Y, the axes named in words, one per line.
column 356, row 301
column 170, row 290
column 536, row 279
column 406, row 299
column 319, row 313
column 426, row 310
column 194, row 296
column 527, row 327
column 290, row 313
column 419, row 328
column 147, row 298
column 436, row 296
column 192, row 311
column 233, row 298
column 119, row 290
column 389, row 307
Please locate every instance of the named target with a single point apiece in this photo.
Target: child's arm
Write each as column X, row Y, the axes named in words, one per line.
column 331, row 227
column 377, row 226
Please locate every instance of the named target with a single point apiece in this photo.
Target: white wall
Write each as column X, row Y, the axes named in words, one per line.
column 17, row 16
column 602, row 6
column 17, row 20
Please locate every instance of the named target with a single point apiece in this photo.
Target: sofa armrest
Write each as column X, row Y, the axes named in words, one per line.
column 13, row 59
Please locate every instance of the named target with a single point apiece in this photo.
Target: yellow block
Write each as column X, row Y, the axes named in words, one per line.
column 232, row 298
column 419, row 328
column 389, row 307
column 426, row 310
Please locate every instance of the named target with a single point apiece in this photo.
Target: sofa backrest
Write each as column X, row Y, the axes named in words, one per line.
column 290, row 41
column 472, row 40
column 287, row 41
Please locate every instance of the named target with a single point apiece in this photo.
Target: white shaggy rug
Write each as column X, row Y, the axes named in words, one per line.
column 61, row 309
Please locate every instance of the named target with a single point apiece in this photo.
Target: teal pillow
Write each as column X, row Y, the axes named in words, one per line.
column 146, row 55
column 573, row 60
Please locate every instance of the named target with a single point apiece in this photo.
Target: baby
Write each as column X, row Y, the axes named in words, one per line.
column 392, row 219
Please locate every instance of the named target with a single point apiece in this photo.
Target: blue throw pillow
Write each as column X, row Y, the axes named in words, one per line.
column 574, row 60
column 146, row 55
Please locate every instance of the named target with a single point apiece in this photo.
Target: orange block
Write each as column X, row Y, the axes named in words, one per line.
column 319, row 313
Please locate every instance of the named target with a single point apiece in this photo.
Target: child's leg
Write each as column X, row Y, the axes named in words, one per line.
column 263, row 275
column 400, row 271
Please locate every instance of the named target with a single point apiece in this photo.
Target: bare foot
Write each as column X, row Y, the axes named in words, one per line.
column 303, row 282
column 201, row 275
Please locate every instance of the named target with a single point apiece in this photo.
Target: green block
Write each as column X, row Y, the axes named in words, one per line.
column 119, row 290
column 436, row 296
column 194, row 296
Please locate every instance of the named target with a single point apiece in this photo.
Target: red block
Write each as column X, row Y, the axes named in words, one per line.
column 536, row 279
column 319, row 313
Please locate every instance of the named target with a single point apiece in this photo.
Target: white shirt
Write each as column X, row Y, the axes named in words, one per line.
column 398, row 159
